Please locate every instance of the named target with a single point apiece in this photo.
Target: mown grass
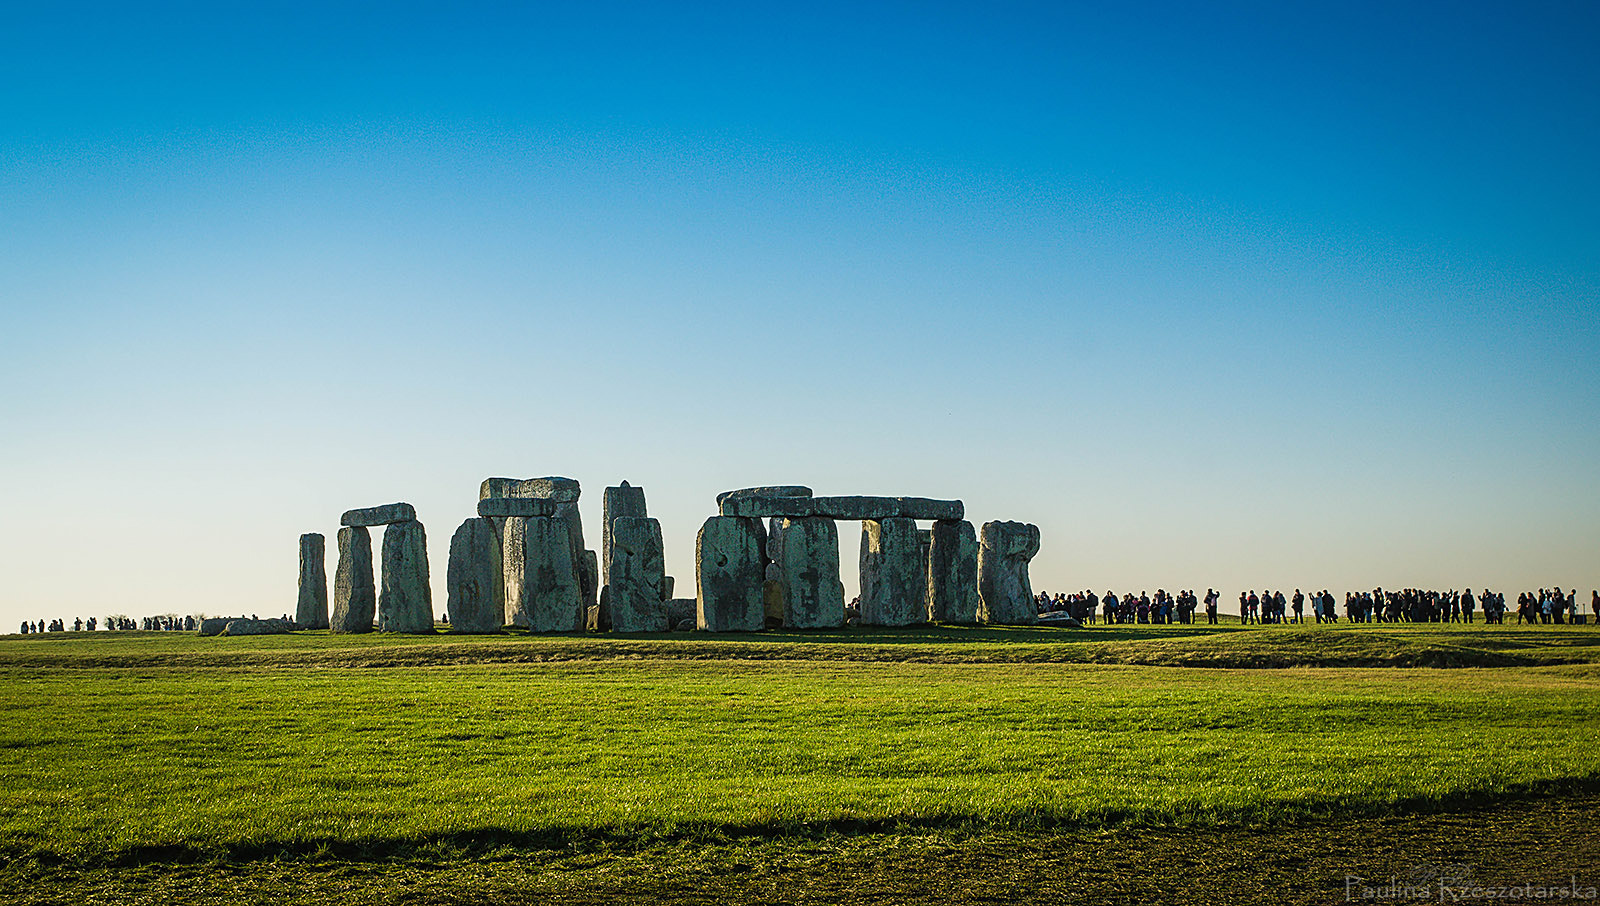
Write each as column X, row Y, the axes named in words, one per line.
column 130, row 748
column 1228, row 645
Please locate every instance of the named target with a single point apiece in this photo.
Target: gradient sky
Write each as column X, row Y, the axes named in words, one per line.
column 1248, row 295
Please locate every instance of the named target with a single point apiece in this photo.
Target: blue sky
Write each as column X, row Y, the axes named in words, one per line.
column 1234, row 295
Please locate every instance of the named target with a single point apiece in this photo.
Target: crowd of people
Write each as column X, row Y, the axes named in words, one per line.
column 1410, row 605
column 170, row 622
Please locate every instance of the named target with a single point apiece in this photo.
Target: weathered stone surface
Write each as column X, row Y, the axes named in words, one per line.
column 311, row 609
column 589, row 576
column 927, row 508
column 781, row 490
column 1004, row 549
column 379, row 515
column 813, row 596
column 405, row 599
column 668, row 586
column 502, row 507
column 561, row 490
column 256, row 627
column 953, row 573
column 215, row 625
column 355, row 600
column 680, row 610
column 633, row 581
column 774, row 545
column 729, row 575
column 623, row 500
column 475, row 579
column 863, row 508
column 893, row 587
column 549, row 592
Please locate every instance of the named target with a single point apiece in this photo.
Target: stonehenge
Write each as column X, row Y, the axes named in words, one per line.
column 311, row 609
column 953, row 573
column 730, row 571
column 476, row 600
column 635, row 576
column 355, row 601
column 768, row 557
column 893, row 582
column 808, row 564
column 405, row 599
column 1004, row 549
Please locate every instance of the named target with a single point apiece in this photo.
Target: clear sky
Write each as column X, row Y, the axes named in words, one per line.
column 1232, row 295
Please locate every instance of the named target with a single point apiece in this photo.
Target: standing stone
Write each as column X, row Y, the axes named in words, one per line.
column 634, row 579
column 624, row 500
column 565, row 491
column 354, row 599
column 550, row 596
column 475, row 579
column 405, row 602
column 513, row 532
column 813, row 596
column 1004, row 550
column 589, row 582
column 953, row 573
column 729, row 573
column 925, row 541
column 668, row 586
column 893, row 587
column 311, row 611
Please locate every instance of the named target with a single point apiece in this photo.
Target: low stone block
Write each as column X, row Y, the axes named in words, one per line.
column 256, row 627
column 504, row 507
column 355, row 600
column 405, row 600
column 1004, row 549
column 387, row 514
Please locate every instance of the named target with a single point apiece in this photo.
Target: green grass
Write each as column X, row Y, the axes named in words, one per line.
column 133, row 747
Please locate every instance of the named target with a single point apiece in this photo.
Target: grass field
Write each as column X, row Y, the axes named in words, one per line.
column 126, row 755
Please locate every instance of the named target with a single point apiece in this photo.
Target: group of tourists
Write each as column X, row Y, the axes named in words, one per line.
column 1164, row 607
column 1409, row 605
column 165, row 623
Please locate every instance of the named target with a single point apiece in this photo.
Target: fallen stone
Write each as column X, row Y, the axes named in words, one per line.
column 813, row 596
column 475, row 579
column 256, row 627
column 311, row 608
column 893, row 589
column 355, row 600
column 781, row 490
column 683, row 625
column 1004, row 549
column 405, row 600
column 1060, row 618
column 503, row 507
column 679, row 610
column 550, row 597
column 387, row 514
column 953, row 573
column 561, row 490
column 729, row 576
column 634, row 579
column 215, row 625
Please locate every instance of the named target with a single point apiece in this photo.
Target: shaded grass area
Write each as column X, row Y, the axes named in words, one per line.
column 1225, row 646
column 1548, row 843
column 160, row 763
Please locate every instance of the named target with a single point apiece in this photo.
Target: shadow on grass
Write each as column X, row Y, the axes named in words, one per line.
column 480, row 842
